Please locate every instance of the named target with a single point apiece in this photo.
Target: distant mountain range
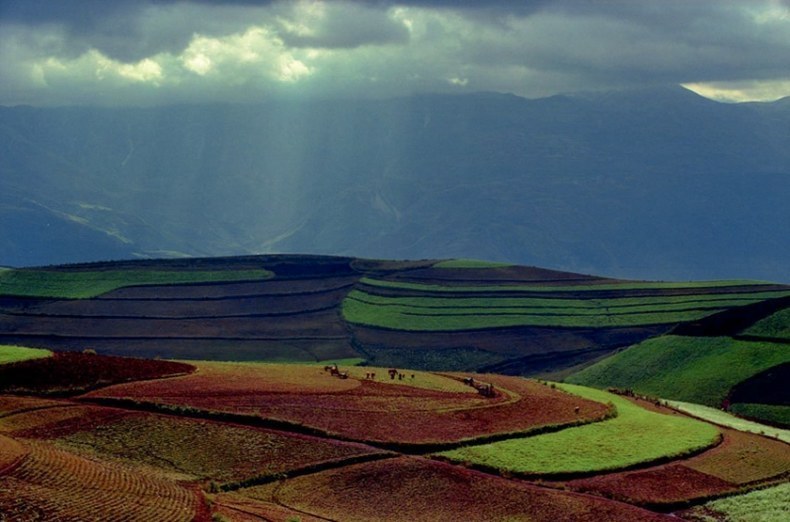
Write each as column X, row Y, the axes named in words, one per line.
column 659, row 184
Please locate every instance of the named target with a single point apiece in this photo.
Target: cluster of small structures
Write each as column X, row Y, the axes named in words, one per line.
column 486, row 389
column 393, row 372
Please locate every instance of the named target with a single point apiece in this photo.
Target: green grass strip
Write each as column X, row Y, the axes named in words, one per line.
column 9, row 354
column 722, row 418
column 635, row 285
column 774, row 413
column 86, row 284
column 690, row 369
column 764, row 505
column 636, row 436
column 469, row 263
column 776, row 325
column 613, row 303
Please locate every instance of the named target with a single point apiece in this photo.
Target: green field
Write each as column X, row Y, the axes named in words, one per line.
column 635, row 285
column 469, row 263
column 775, row 414
column 690, row 369
column 776, row 325
column 9, row 354
column 723, row 418
column 634, row 437
column 764, row 505
column 458, row 313
column 86, row 284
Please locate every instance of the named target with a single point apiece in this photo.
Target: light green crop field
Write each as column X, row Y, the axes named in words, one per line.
column 635, row 285
column 86, row 284
column 9, row 354
column 459, row 313
column 690, row 369
column 635, row 436
column 776, row 325
column 722, row 418
column 469, row 263
column 764, row 505
column 776, row 414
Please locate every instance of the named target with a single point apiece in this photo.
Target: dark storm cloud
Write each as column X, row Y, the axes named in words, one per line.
column 218, row 49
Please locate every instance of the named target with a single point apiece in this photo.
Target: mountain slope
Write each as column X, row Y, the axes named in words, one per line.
column 646, row 184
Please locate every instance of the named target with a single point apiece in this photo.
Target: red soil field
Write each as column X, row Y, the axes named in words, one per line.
column 14, row 403
column 670, row 484
column 11, row 451
column 203, row 449
column 52, row 484
column 365, row 410
column 741, row 459
column 408, row 489
column 236, row 508
column 69, row 373
column 60, row 421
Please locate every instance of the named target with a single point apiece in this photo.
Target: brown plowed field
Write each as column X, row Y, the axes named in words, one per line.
column 741, row 459
column 366, row 410
column 55, row 485
column 68, row 373
column 408, row 489
column 237, row 508
column 11, row 453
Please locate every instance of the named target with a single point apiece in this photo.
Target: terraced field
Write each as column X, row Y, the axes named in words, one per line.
column 271, row 308
column 408, row 489
column 423, row 410
column 101, row 437
column 634, row 437
column 9, row 354
column 266, row 441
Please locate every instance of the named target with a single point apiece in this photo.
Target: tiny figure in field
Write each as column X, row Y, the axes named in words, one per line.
column 412, row 376
column 576, row 410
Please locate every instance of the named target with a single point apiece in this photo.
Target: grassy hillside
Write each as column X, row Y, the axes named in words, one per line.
column 776, row 325
column 689, row 369
column 444, row 308
column 86, row 284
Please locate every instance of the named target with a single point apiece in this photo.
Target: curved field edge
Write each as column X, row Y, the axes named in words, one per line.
column 765, row 505
column 777, row 415
column 407, row 489
column 722, row 418
column 470, row 263
column 626, row 285
column 86, row 284
column 689, row 369
column 12, row 354
column 635, row 437
column 776, row 325
column 464, row 313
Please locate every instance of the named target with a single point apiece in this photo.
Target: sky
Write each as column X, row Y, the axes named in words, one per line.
column 149, row 52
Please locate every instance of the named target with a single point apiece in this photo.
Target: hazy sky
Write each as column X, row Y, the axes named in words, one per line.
column 137, row 52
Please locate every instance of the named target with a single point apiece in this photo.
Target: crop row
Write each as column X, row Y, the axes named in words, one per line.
column 63, row 486
column 407, row 489
column 208, row 450
column 403, row 411
column 85, row 284
column 634, row 437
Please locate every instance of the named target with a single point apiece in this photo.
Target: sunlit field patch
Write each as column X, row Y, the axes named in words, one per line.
column 9, row 354
column 635, row 436
column 424, row 409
